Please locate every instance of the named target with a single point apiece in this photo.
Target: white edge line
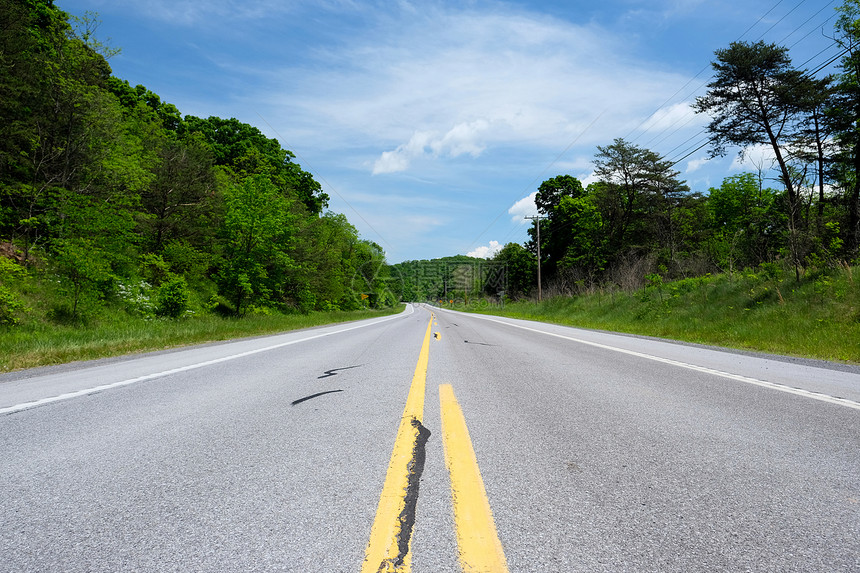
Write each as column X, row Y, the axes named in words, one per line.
column 772, row 385
column 86, row 391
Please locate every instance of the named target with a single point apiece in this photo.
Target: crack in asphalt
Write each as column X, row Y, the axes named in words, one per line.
column 334, row 371
column 300, row 400
column 407, row 516
column 479, row 343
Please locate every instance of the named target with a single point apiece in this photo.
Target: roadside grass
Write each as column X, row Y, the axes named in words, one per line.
column 762, row 310
column 41, row 343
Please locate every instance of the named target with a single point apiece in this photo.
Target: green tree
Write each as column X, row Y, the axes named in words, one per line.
column 327, row 261
column 814, row 143
column 559, row 230
column 754, row 100
column 551, row 192
column 10, row 304
column 244, row 151
column 84, row 269
column 520, row 269
column 183, row 199
column 66, row 132
column 636, row 188
column 257, row 235
column 132, row 98
column 583, row 227
column 172, row 297
column 371, row 282
column 746, row 222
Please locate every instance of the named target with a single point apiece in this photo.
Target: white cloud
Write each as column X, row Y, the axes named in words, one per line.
column 669, row 117
column 695, row 164
column 589, row 179
column 460, row 139
column 758, row 157
column 523, row 208
column 391, row 162
column 486, row 251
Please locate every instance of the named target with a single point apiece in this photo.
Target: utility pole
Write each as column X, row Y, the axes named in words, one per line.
column 537, row 219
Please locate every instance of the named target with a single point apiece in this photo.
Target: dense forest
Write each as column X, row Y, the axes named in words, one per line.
column 110, row 196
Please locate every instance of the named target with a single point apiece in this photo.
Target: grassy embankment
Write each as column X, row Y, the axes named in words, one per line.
column 766, row 310
column 41, row 343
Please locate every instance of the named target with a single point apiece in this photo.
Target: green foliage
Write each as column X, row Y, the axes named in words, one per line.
column 552, row 191
column 636, row 190
column 520, row 270
column 372, row 284
column 841, row 117
column 173, row 298
column 182, row 202
column 580, row 224
column 746, row 220
column 243, row 151
column 257, row 232
column 154, row 269
column 10, row 303
column 131, row 98
column 84, row 273
column 185, row 260
column 458, row 278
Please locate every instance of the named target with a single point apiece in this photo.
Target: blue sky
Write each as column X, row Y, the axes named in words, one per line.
column 430, row 123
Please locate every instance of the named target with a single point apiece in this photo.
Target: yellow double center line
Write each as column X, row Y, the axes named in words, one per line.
column 389, row 548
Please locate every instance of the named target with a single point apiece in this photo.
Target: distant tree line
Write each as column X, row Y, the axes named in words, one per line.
column 113, row 194
column 457, row 278
column 639, row 219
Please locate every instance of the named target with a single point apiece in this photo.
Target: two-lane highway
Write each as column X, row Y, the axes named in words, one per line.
column 595, row 452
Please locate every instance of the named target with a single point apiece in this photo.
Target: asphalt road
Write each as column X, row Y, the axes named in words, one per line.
column 598, row 452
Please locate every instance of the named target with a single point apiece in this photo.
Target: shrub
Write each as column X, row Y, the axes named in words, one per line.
column 10, row 304
column 172, row 298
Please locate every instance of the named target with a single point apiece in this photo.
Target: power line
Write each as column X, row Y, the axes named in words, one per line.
column 824, row 65
column 691, row 153
column 689, row 116
column 706, row 67
column 760, row 19
column 806, row 22
column 775, row 24
column 670, row 98
column 830, row 47
column 685, row 142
